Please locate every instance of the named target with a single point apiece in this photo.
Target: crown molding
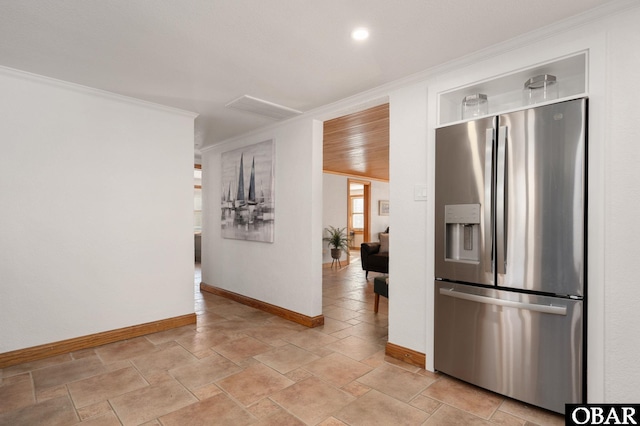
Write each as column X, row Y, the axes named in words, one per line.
column 28, row 76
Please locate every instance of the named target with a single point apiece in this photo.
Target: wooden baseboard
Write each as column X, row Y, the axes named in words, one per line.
column 264, row 306
column 407, row 355
column 84, row 342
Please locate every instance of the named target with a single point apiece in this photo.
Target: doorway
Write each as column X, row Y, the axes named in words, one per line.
column 197, row 210
column 358, row 212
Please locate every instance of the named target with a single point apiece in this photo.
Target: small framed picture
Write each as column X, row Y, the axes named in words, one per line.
column 383, row 208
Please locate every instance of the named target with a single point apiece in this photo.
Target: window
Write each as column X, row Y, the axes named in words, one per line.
column 357, row 213
column 197, row 199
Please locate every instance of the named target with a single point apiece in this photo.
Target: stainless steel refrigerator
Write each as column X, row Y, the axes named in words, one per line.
column 510, row 253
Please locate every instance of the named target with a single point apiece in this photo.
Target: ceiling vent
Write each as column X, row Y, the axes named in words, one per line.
column 260, row 107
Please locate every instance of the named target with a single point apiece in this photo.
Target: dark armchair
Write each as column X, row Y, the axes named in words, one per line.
column 375, row 255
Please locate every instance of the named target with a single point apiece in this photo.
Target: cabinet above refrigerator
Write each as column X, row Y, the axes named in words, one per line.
column 504, row 92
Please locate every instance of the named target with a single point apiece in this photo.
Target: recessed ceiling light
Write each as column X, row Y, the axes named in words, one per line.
column 360, row 34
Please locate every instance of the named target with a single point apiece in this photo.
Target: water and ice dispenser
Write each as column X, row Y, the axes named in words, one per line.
column 462, row 233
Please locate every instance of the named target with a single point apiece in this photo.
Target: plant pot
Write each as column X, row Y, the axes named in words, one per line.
column 335, row 253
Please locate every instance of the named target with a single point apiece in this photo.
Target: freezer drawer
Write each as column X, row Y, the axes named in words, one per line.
column 523, row 346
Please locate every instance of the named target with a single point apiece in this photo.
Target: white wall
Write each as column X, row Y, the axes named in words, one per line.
column 379, row 191
column 96, row 196
column 408, row 267
column 622, row 200
column 335, row 209
column 287, row 272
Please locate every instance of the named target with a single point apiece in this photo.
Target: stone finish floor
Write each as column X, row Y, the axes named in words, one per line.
column 242, row 366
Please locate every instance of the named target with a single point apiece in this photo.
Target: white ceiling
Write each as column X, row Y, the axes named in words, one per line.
column 199, row 55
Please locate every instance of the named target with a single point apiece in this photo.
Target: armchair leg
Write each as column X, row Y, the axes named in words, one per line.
column 366, row 275
column 376, row 303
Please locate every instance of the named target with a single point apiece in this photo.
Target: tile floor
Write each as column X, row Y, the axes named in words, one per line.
column 242, row 366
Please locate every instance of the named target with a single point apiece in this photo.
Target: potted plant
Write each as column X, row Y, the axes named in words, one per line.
column 338, row 241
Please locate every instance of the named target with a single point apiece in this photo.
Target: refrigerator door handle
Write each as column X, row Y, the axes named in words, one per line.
column 545, row 309
column 488, row 205
column 501, row 200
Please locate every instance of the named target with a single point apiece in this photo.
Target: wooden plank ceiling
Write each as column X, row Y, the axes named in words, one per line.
column 358, row 144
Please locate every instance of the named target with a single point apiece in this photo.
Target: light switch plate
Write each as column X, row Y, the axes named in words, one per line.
column 420, row 192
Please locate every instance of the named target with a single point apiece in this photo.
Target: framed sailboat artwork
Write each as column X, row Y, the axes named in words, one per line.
column 248, row 197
